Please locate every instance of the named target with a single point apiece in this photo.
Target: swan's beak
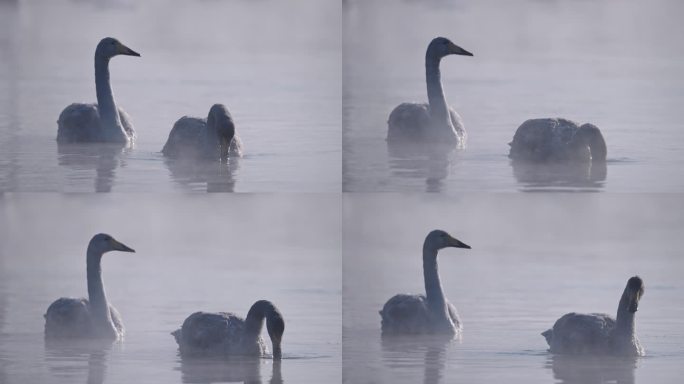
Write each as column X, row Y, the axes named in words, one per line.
column 124, row 50
column 456, row 50
column 457, row 243
column 117, row 246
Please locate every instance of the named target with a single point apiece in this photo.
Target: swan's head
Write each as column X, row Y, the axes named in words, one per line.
column 633, row 292
column 110, row 47
column 439, row 239
column 441, row 46
column 220, row 123
column 103, row 243
column 276, row 327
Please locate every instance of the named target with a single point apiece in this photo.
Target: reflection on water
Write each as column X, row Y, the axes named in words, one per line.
column 592, row 369
column 396, row 349
column 102, row 158
column 216, row 176
column 568, row 176
column 72, row 358
column 429, row 162
column 233, row 370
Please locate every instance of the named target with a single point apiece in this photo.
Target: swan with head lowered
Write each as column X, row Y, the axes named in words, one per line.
column 557, row 140
column 227, row 334
column 93, row 317
column 103, row 121
column 210, row 138
column 434, row 121
column 431, row 313
column 597, row 333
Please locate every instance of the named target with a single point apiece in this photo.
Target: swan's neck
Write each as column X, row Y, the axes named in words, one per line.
column 433, row 287
column 259, row 311
column 439, row 111
column 624, row 321
column 109, row 115
column 99, row 307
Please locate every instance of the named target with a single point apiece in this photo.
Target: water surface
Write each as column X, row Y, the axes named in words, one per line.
column 615, row 64
column 210, row 253
column 280, row 80
column 533, row 259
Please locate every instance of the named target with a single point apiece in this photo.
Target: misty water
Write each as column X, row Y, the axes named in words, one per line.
column 280, row 81
column 617, row 65
column 211, row 253
column 534, row 258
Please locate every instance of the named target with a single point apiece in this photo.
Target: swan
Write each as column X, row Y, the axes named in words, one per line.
column 225, row 333
column 598, row 333
column 213, row 137
column 92, row 317
column 434, row 121
column 424, row 314
column 101, row 122
column 557, row 140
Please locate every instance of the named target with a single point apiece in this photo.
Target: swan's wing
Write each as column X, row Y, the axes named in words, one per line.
column 408, row 121
column 185, row 137
column 67, row 317
column 405, row 314
column 458, row 125
column 210, row 332
column 116, row 319
column 542, row 139
column 77, row 122
column 127, row 124
column 454, row 316
column 576, row 333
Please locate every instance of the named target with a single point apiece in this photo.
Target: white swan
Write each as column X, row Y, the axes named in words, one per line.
column 101, row 122
column 435, row 121
column 210, row 138
column 92, row 317
column 429, row 313
column 557, row 140
column 227, row 334
column 598, row 333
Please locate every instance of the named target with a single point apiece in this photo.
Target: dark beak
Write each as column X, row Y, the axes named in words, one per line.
column 129, row 52
column 456, row 50
column 122, row 247
column 458, row 244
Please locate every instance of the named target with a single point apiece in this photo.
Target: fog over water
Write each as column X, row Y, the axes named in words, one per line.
column 218, row 253
column 279, row 79
column 615, row 64
column 533, row 259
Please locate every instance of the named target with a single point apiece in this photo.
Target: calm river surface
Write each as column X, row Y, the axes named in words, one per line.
column 280, row 80
column 211, row 253
column 617, row 64
column 533, row 259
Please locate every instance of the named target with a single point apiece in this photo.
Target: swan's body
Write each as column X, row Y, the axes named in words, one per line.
column 598, row 333
column 104, row 121
column 557, row 140
column 92, row 317
column 424, row 314
column 210, row 138
column 434, row 121
column 227, row 334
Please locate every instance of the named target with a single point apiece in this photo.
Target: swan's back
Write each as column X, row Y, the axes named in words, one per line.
column 80, row 123
column 67, row 318
column 410, row 122
column 405, row 314
column 577, row 333
column 71, row 318
column 219, row 333
column 542, row 139
column 184, row 138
